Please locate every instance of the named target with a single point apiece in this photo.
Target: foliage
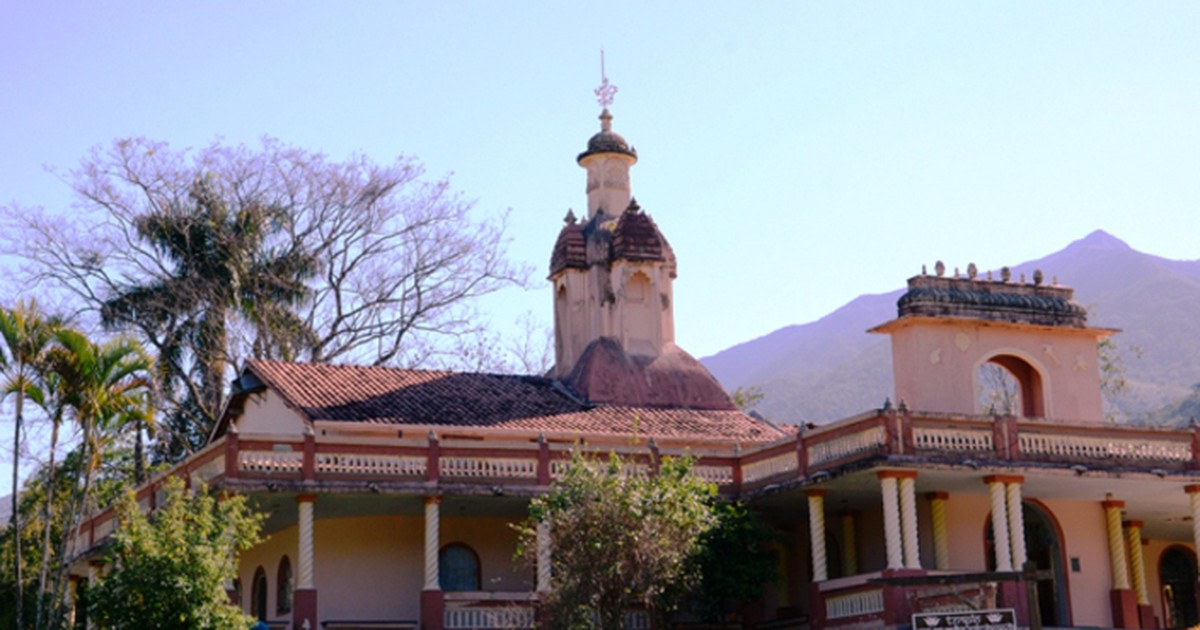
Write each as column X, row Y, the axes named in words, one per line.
column 736, row 561
column 1113, row 385
column 169, row 571
column 213, row 256
column 621, row 538
column 999, row 393
column 747, row 397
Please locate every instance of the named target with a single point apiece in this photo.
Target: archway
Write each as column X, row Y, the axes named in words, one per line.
column 1177, row 575
column 1007, row 384
column 1043, row 546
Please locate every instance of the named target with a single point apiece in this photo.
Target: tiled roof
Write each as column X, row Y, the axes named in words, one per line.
column 382, row 395
column 637, row 238
column 570, row 250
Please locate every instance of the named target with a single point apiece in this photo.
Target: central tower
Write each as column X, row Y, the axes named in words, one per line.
column 614, row 323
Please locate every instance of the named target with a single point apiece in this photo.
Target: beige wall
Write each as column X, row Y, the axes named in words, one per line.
column 268, row 414
column 936, row 365
column 372, row 567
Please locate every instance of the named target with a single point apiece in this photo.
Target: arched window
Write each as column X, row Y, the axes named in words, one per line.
column 1009, row 385
column 283, row 587
column 258, row 595
column 458, row 568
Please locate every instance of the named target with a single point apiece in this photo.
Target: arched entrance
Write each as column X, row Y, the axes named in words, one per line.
column 1177, row 574
column 1044, row 548
column 1007, row 384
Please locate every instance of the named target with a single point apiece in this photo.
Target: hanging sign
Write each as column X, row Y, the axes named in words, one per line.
column 1002, row 619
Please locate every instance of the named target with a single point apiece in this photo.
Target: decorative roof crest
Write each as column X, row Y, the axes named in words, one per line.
column 606, row 91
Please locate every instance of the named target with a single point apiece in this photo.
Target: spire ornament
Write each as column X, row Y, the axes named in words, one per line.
column 606, row 91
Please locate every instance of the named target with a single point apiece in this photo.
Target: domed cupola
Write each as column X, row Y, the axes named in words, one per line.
column 638, row 239
column 607, row 141
column 570, row 250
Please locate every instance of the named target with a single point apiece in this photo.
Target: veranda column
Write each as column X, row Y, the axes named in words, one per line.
column 304, row 597
column 543, row 557
column 1133, row 541
column 93, row 577
column 1124, row 602
column 1016, row 521
column 850, row 542
column 941, row 536
column 71, row 597
column 908, row 520
column 816, row 533
column 996, row 493
column 891, row 519
column 431, row 596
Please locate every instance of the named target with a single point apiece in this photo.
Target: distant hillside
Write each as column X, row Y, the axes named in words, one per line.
column 831, row 368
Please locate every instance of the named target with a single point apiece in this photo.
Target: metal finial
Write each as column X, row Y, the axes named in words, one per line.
column 923, row 272
column 606, row 91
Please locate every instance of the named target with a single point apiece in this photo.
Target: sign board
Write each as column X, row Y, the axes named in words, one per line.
column 1002, row 619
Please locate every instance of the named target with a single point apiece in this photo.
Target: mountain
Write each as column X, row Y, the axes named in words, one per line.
column 831, row 368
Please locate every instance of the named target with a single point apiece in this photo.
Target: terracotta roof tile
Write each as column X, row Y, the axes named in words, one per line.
column 381, row 395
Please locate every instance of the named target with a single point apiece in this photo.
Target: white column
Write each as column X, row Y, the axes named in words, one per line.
column 432, row 544
column 891, row 521
column 1116, row 545
column 93, row 581
column 1000, row 524
column 543, row 557
column 72, row 596
column 1016, row 523
column 816, row 532
column 304, row 555
column 908, row 521
column 941, row 538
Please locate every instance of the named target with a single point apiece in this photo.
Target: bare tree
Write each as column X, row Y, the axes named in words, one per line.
column 215, row 255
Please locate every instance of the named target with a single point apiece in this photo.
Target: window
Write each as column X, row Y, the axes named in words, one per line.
column 258, row 595
column 283, row 587
column 458, row 568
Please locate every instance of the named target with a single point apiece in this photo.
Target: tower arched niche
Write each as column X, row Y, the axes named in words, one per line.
column 1029, row 397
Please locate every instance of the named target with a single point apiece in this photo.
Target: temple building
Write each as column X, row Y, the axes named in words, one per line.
column 390, row 492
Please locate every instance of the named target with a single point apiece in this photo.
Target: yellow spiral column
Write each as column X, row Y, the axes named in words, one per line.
column 850, row 542
column 996, row 493
column 891, row 519
column 941, row 535
column 1116, row 545
column 908, row 520
column 1133, row 539
column 1016, row 521
column 816, row 532
column 432, row 543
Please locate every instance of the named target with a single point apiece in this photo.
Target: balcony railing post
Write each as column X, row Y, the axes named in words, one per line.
column 543, row 467
column 1195, row 464
column 1000, row 439
column 434, row 458
column 308, row 466
column 737, row 468
column 801, row 456
column 231, row 452
column 908, row 444
column 1014, row 438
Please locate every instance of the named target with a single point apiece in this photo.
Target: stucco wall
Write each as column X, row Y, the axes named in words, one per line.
column 267, row 413
column 372, row 567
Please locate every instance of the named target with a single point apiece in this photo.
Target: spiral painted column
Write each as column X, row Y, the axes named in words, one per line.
column 304, row 556
column 816, row 533
column 941, row 535
column 908, row 520
column 1016, row 521
column 1000, row 523
column 543, row 557
column 891, row 520
column 850, row 542
column 1133, row 540
column 432, row 543
column 1116, row 545
column 1193, row 491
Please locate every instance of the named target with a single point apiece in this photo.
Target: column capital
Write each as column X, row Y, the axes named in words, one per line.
column 937, row 495
column 897, row 474
column 1133, row 523
column 1113, row 503
column 432, row 499
column 1004, row 479
column 815, row 492
column 306, row 498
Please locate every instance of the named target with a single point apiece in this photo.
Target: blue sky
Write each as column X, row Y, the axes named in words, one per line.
column 795, row 154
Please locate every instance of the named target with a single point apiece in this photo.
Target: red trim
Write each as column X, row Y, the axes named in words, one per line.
column 1004, row 479
column 1112, row 503
column 897, row 474
column 308, row 465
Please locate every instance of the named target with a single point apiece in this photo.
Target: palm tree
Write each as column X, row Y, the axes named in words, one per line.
column 220, row 268
column 106, row 387
column 25, row 335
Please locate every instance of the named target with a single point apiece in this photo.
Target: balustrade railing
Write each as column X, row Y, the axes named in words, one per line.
column 368, row 464
column 1106, row 447
column 867, row 440
column 953, row 439
column 854, row 604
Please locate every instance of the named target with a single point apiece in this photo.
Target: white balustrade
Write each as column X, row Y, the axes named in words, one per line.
column 854, row 604
column 488, row 617
column 209, row 470
column 270, row 461
column 1078, row 446
column 846, row 446
column 370, row 464
column 777, row 465
column 953, row 439
column 488, row 467
column 720, row 475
